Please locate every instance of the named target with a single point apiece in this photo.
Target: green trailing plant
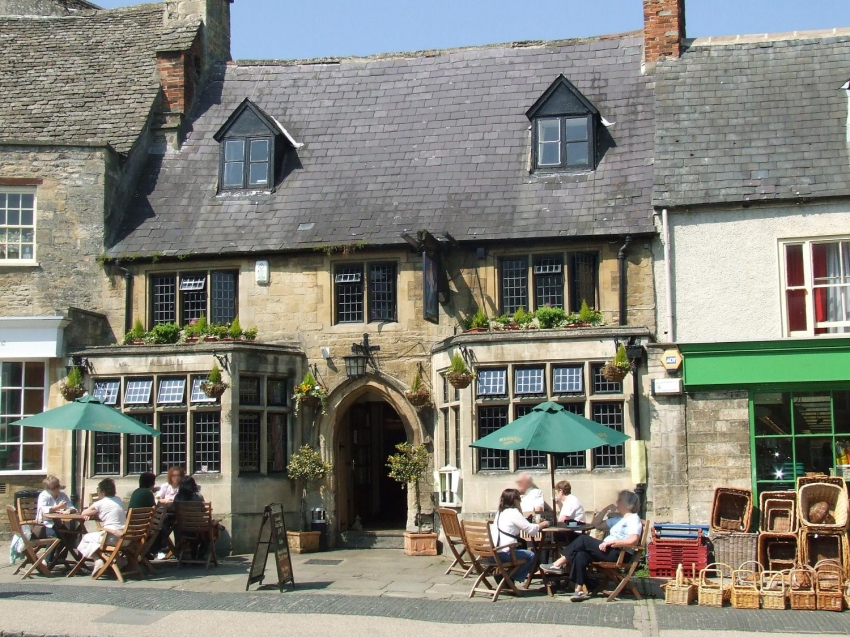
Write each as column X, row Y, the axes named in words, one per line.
column 218, row 331
column 250, row 334
column 551, row 317
column 306, row 467
column 458, row 365
column 479, row 320
column 235, row 330
column 502, row 321
column 310, row 390
column 523, row 318
column 165, row 333
column 409, row 467
column 621, row 359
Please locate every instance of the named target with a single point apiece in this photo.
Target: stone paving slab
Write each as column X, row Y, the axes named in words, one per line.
column 722, row 620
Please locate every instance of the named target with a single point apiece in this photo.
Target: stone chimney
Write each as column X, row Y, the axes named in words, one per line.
column 215, row 34
column 663, row 30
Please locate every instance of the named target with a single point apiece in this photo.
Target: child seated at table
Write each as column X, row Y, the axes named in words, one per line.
column 52, row 500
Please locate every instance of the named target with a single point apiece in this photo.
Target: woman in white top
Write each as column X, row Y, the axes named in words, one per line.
column 506, row 529
column 52, row 500
column 571, row 509
column 110, row 511
column 167, row 491
column 585, row 549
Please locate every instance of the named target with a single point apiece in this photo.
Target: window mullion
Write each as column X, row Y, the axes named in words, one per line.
column 808, row 281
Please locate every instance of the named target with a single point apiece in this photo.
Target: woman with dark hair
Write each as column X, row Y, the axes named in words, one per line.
column 506, row 529
column 188, row 491
column 169, row 489
column 109, row 509
column 585, row 549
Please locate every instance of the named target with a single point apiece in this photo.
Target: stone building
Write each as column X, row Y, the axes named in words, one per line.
column 751, row 190
column 82, row 110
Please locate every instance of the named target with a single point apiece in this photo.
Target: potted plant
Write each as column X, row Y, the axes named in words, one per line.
column 195, row 329
column 214, row 386
column 136, row 336
column 588, row 317
column 250, row 334
column 235, row 330
column 523, row 319
column 550, row 317
column 616, row 369
column 410, row 466
column 306, row 467
column 503, row 322
column 310, row 393
column 72, row 388
column 479, row 321
column 165, row 333
column 418, row 394
column 459, row 374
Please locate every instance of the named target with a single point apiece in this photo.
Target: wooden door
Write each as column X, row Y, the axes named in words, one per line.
column 361, row 462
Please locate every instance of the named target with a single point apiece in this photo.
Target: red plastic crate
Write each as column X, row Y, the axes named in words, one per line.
column 665, row 557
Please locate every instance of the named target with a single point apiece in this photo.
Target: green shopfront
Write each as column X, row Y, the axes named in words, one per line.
column 799, row 402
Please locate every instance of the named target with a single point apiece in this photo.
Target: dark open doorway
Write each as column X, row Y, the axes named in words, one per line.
column 368, row 434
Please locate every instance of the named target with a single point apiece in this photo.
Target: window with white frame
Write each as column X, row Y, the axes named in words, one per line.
column 492, row 382
column 816, row 286
column 17, row 226
column 171, row 391
column 529, row 381
column 22, row 393
column 106, row 391
column 568, row 379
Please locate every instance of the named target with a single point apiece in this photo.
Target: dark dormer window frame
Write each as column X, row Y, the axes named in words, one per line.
column 563, row 130
column 253, row 145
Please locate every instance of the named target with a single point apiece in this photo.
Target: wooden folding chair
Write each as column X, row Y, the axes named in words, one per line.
column 492, row 563
column 620, row 573
column 456, row 540
column 35, row 551
column 194, row 528
column 160, row 514
column 128, row 547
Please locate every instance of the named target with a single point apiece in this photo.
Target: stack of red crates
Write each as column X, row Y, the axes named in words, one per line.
column 674, row 544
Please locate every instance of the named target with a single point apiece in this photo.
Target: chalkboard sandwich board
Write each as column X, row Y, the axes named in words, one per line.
column 272, row 539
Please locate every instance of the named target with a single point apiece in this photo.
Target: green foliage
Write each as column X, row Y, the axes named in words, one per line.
column 105, row 259
column 417, row 385
column 250, row 334
column 307, row 465
column 310, row 387
column 201, row 325
column 219, row 331
column 550, row 317
column 214, row 376
column 585, row 314
column 621, row 360
column 458, row 365
column 235, row 329
column 479, row 320
column 410, row 466
column 165, row 333
column 75, row 378
column 523, row 318
column 503, row 320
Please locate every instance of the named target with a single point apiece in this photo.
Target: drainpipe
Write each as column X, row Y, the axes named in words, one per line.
column 128, row 296
column 621, row 262
column 668, row 270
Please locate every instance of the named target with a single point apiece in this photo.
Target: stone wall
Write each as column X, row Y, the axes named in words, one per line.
column 43, row 7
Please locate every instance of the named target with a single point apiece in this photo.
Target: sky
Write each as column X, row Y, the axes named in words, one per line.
column 289, row 29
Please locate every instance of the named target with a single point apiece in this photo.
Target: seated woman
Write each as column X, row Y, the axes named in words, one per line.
column 52, row 500
column 110, row 511
column 571, row 509
column 585, row 549
column 188, row 491
column 507, row 526
column 167, row 491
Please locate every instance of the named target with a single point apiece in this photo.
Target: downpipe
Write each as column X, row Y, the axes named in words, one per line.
column 621, row 264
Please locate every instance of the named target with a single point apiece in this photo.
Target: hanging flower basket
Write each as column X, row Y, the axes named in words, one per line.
column 307, row 400
column 213, row 390
column 460, row 380
column 418, row 398
column 614, row 373
column 72, row 392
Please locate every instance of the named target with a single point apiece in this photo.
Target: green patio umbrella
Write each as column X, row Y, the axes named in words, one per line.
column 551, row 429
column 87, row 414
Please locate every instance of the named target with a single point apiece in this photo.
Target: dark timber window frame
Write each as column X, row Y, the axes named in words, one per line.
column 180, row 297
column 248, row 161
column 363, row 294
column 532, row 280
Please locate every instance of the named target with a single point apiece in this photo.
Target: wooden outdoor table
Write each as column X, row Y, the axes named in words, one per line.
column 552, row 538
column 70, row 528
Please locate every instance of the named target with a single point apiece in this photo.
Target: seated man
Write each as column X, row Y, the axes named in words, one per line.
column 532, row 497
column 143, row 496
column 584, row 550
column 571, row 509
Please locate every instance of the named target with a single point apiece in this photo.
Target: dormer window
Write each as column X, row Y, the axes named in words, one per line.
column 563, row 129
column 253, row 147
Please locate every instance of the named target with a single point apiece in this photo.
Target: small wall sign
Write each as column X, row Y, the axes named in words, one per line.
column 672, row 360
column 667, row 386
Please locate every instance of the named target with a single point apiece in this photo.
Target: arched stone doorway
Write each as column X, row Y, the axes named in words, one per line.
column 366, row 418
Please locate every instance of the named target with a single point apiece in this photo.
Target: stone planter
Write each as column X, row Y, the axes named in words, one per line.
column 304, row 541
column 420, row 543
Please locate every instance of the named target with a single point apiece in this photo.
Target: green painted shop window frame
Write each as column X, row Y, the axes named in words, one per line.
column 809, row 388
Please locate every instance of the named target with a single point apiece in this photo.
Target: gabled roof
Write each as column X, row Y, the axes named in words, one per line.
column 79, row 79
column 274, row 127
column 571, row 101
column 433, row 141
column 753, row 121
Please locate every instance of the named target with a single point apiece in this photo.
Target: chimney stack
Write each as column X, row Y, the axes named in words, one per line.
column 663, row 30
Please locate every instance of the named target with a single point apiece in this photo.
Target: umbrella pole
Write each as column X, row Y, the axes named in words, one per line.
column 552, row 476
column 83, row 471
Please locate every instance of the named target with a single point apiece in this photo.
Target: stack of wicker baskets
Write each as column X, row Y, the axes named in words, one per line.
column 778, row 544
column 823, row 539
column 731, row 520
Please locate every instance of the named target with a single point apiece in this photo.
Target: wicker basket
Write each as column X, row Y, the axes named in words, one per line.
column 460, row 380
column 829, row 585
column 735, row 548
column 779, row 516
column 847, row 594
column 815, row 547
column 679, row 591
column 836, row 498
column 745, row 586
column 778, row 551
column 732, row 510
column 802, row 588
column 614, row 374
column 713, row 588
column 774, row 595
column 820, row 478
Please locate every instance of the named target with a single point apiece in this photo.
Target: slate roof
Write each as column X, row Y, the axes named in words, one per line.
column 79, row 79
column 433, row 141
column 757, row 121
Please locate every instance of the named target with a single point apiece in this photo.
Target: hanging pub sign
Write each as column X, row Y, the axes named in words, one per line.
column 272, row 539
column 431, row 287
